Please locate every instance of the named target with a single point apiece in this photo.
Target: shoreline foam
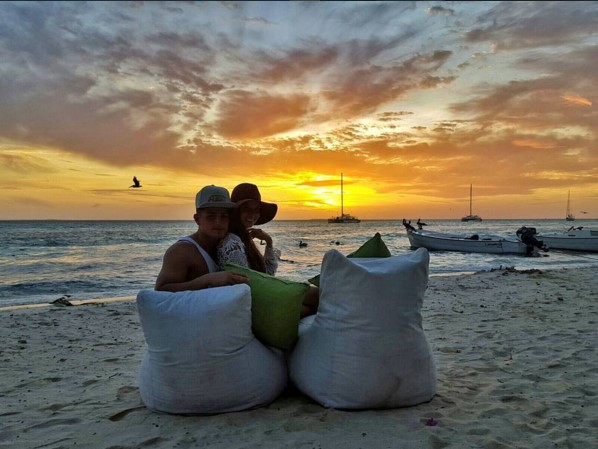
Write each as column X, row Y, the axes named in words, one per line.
column 82, row 302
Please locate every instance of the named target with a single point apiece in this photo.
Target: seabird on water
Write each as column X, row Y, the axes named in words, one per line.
column 136, row 183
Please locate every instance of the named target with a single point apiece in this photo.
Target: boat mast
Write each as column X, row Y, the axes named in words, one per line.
column 470, row 197
column 342, row 200
column 568, row 203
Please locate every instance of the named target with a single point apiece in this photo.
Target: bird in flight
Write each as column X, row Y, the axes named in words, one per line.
column 136, row 183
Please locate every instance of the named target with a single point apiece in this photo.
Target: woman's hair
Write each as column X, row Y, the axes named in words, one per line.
column 254, row 257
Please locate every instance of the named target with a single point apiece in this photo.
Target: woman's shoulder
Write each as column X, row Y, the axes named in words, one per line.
column 231, row 239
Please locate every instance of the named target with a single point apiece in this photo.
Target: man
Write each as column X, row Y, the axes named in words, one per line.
column 189, row 263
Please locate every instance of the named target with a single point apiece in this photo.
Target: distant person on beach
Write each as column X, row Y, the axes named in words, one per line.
column 238, row 246
column 189, row 264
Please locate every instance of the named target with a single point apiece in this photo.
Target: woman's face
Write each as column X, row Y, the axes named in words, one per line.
column 249, row 213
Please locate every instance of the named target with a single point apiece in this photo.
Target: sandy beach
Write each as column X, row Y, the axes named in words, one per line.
column 515, row 352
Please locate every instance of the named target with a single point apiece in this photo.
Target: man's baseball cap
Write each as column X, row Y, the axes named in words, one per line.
column 213, row 196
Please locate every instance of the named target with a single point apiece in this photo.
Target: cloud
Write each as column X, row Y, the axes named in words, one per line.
column 249, row 115
column 440, row 11
column 394, row 91
column 574, row 99
column 518, row 25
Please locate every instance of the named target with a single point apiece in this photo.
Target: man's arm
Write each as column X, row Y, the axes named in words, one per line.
column 183, row 268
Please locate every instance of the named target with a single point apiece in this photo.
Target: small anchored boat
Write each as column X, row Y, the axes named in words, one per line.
column 471, row 216
column 574, row 239
column 473, row 243
column 343, row 217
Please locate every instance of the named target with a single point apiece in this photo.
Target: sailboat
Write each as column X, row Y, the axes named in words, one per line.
column 471, row 216
column 343, row 218
column 570, row 216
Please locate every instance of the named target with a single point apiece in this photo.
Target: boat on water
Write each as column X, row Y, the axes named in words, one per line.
column 525, row 244
column 569, row 216
column 343, row 217
column 471, row 216
column 574, row 239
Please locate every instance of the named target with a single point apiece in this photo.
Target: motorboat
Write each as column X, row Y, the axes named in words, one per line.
column 574, row 239
column 471, row 243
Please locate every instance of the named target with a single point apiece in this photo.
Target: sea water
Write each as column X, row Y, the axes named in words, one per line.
column 41, row 261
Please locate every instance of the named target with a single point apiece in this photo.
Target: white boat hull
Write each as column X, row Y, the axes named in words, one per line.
column 573, row 240
column 436, row 241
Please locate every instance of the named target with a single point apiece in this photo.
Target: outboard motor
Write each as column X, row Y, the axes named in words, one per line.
column 528, row 237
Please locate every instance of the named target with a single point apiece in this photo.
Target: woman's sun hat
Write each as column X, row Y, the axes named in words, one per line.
column 246, row 192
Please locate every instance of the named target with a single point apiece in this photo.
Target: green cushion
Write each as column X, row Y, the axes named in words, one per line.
column 374, row 247
column 275, row 306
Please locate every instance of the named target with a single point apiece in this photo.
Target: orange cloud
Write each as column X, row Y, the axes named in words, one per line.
column 574, row 99
column 248, row 115
column 533, row 143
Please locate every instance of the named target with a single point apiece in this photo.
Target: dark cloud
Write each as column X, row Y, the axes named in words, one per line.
column 440, row 11
column 517, row 25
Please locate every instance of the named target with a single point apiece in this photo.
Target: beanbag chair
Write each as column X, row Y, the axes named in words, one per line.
column 202, row 357
column 374, row 247
column 275, row 308
column 366, row 347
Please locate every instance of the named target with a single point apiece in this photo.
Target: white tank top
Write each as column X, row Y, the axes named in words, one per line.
column 212, row 266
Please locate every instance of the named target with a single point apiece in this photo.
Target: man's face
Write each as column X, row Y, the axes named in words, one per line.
column 213, row 222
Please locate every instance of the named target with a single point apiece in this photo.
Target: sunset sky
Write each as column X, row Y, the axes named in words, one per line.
column 411, row 101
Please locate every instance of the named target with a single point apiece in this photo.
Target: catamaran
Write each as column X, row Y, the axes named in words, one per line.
column 471, row 216
column 343, row 217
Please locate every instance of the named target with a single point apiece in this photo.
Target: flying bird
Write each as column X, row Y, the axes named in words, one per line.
column 136, row 183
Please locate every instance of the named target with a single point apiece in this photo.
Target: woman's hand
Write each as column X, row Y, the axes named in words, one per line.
column 260, row 234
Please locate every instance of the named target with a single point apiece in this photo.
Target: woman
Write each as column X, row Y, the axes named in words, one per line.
column 238, row 246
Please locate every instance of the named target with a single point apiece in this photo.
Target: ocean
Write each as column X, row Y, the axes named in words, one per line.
column 41, row 261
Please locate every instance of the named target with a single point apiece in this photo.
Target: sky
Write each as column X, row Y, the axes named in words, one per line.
column 413, row 102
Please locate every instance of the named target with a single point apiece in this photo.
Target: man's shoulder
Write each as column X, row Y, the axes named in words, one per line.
column 183, row 248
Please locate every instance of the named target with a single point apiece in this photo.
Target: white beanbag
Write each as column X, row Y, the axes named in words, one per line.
column 366, row 348
column 202, row 357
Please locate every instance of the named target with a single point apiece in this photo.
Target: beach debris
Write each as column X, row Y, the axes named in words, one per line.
column 448, row 350
column 62, row 301
column 431, row 422
column 120, row 415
